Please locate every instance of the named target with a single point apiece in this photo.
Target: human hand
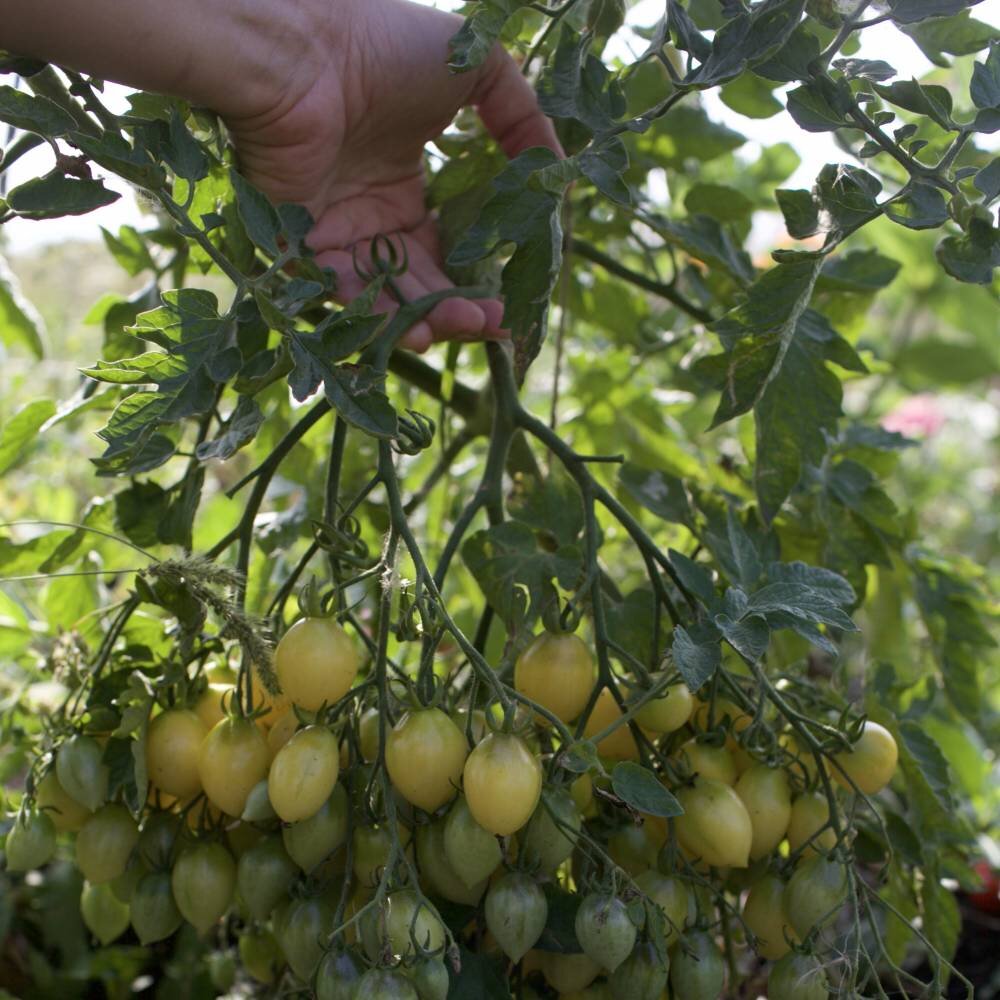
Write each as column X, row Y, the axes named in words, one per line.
column 346, row 139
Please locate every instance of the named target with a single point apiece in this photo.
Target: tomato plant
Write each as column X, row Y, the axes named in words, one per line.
column 635, row 649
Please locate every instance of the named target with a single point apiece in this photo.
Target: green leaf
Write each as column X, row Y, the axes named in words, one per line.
column 524, row 211
column 551, row 505
column 659, row 492
column 184, row 153
column 19, row 321
column 960, row 36
column 723, row 203
column 684, row 134
column 694, row 576
column 874, row 70
column 515, row 573
column 987, row 181
column 758, row 334
column 697, row 655
column 746, row 558
column 751, row 96
column 129, row 249
column 800, row 601
column 919, row 206
column 911, row 11
column 55, row 195
column 240, row 429
column 580, row 757
column 846, row 195
column 858, row 271
column 970, row 259
column 705, row 239
column 477, row 36
column 923, row 99
column 942, row 921
column 813, row 110
column 800, row 210
column 17, row 433
column 640, row 789
column 578, row 86
column 747, row 40
column 822, row 581
column 258, row 215
column 34, row 114
column 985, row 86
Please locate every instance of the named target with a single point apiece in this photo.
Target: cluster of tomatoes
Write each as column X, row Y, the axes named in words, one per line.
column 335, row 832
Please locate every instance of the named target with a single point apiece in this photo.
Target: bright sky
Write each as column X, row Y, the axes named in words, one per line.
column 882, row 41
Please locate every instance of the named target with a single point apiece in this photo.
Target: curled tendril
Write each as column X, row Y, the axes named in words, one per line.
column 343, row 540
column 386, row 259
column 416, row 432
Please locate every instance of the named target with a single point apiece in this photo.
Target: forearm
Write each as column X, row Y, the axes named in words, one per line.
column 232, row 55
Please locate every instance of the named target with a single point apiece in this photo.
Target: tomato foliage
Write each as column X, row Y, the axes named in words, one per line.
column 661, row 686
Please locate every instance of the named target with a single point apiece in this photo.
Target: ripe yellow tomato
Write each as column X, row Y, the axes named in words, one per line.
column 810, row 813
column 424, row 755
column 765, row 916
column 707, row 761
column 724, row 708
column 871, row 762
column 436, row 874
column 317, row 662
column 303, row 773
column 671, row 895
column 234, row 757
column 411, row 924
column 282, row 731
column 105, row 842
column 669, row 711
column 211, row 704
column 557, row 671
column 765, row 792
column 570, row 972
column 715, row 826
column 503, row 782
column 173, row 742
column 619, row 745
column 582, row 791
column 66, row 813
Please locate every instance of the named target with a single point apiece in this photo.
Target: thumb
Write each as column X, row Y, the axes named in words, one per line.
column 508, row 107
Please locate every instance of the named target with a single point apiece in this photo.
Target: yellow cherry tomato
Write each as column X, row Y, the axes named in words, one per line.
column 317, row 662
column 668, row 712
column 871, row 762
column 707, row 761
column 424, row 755
column 765, row 792
column 619, row 745
column 173, row 743
column 282, row 731
column 303, row 773
column 765, row 916
column 234, row 757
column 503, row 782
column 715, row 826
column 810, row 813
column 557, row 672
column 66, row 813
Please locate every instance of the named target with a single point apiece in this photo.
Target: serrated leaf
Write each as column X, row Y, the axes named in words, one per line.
column 697, row 656
column 969, row 259
column 56, row 195
column 639, row 788
column 694, row 576
column 525, row 212
column 749, row 637
column 477, row 36
column 578, row 86
column 831, row 585
column 858, row 271
column 800, row 600
column 875, row 70
column 812, row 110
column 800, row 210
column 515, row 573
column 34, row 113
column 923, row 99
column 258, row 215
column 987, row 181
column 240, row 429
column 911, row 11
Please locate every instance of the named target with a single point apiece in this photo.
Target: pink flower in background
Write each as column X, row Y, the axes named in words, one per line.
column 918, row 416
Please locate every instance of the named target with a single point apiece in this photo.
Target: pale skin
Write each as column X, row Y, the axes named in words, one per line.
column 329, row 104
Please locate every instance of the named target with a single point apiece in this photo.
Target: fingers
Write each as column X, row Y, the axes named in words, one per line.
column 507, row 104
column 451, row 319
